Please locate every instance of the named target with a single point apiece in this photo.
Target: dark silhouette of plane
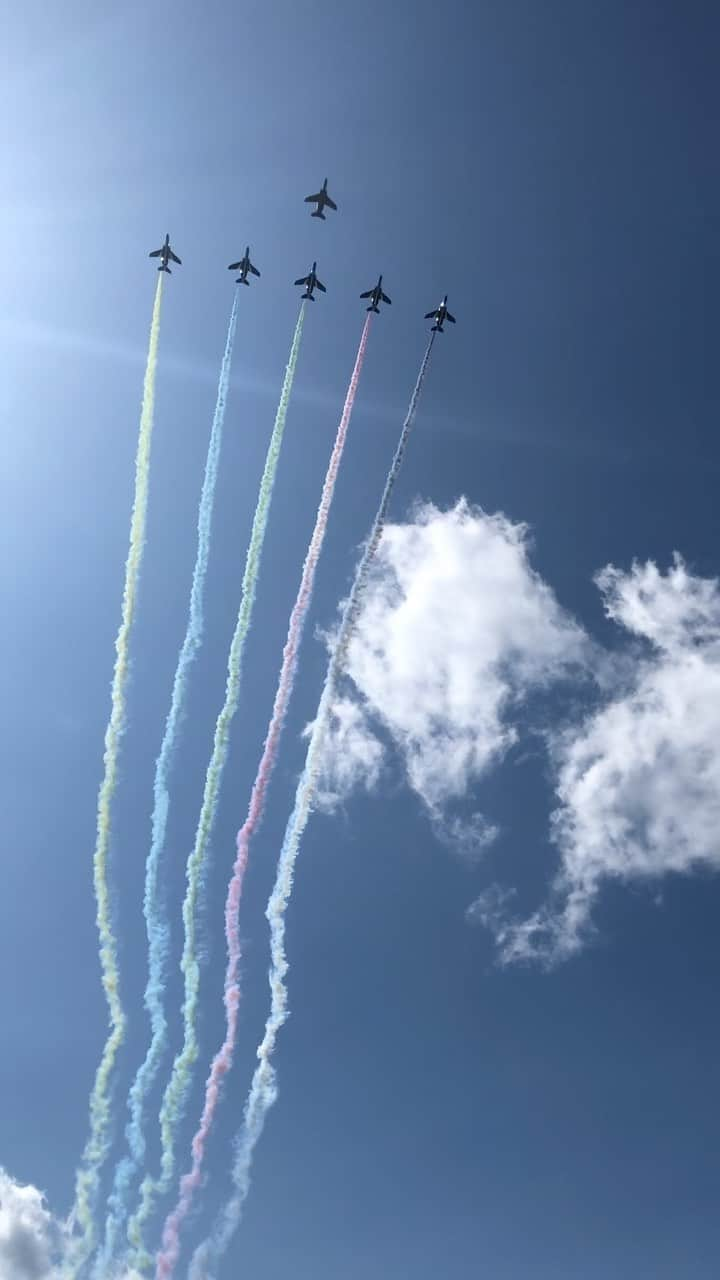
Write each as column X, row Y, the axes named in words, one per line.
column 376, row 295
column 440, row 315
column 321, row 199
column 311, row 282
column 243, row 266
column 166, row 255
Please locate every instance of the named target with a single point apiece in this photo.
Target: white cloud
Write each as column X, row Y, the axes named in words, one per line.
column 34, row 1243
column 355, row 759
column 674, row 611
column 455, row 630
column 467, row 836
column 639, row 781
column 30, row 1237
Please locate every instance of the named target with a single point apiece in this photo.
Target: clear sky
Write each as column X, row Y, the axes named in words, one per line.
column 553, row 168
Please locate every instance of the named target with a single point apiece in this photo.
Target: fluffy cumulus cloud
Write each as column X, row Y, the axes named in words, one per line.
column 455, row 634
column 33, row 1242
column 638, row 782
column 456, row 629
column 31, row 1238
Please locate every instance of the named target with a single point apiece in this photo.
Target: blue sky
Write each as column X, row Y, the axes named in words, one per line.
column 553, row 168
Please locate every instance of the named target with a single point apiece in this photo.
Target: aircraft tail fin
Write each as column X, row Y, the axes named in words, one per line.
column 318, row 214
column 373, row 308
column 165, row 269
column 242, row 280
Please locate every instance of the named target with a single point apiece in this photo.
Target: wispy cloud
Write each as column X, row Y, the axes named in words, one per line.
column 469, row 837
column 355, row 759
column 456, row 630
column 638, row 781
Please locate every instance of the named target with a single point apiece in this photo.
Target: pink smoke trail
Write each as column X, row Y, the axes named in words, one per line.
column 222, row 1062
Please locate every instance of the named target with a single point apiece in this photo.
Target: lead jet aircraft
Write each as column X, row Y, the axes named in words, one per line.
column 243, row 266
column 440, row 315
column 311, row 282
column 166, row 255
column 376, row 295
column 321, row 200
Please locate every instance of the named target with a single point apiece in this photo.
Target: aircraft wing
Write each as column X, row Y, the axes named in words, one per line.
column 385, row 298
column 174, row 257
column 235, row 266
column 449, row 317
column 431, row 315
column 156, row 253
column 330, row 203
column 253, row 269
column 318, row 199
column 369, row 294
column 320, row 286
column 303, row 280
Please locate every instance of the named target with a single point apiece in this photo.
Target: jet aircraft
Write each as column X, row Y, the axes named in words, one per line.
column 166, row 255
column 243, row 266
column 311, row 282
column 376, row 295
column 321, row 199
column 440, row 315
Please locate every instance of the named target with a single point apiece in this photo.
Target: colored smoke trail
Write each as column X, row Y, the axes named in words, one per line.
column 174, row 1099
column 98, row 1143
column 222, row 1062
column 156, row 923
column 263, row 1089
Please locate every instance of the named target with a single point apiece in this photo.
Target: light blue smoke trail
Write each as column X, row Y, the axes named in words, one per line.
column 263, row 1089
column 156, row 922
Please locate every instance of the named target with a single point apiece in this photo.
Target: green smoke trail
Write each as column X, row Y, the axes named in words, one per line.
column 174, row 1101
column 98, row 1142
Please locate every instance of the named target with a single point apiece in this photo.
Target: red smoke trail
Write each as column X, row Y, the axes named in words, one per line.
column 222, row 1062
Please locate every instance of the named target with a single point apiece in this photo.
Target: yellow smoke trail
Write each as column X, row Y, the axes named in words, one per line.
column 98, row 1143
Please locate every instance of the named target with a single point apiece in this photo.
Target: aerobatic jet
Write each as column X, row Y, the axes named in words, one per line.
column 376, row 295
column 311, row 282
column 321, row 199
column 166, row 255
column 243, row 266
column 440, row 315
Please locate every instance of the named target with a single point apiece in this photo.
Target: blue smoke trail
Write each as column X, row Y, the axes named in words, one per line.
column 156, row 923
